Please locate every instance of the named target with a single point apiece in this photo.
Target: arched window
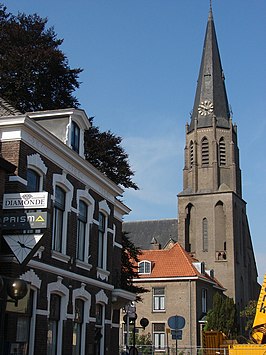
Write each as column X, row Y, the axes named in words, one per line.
column 99, row 328
column 205, row 234
column 75, row 136
column 190, row 229
column 82, row 230
column 53, row 324
column 77, row 327
column 145, row 267
column 191, row 154
column 204, row 152
column 101, row 240
column 220, row 231
column 59, row 218
column 222, row 152
column 33, row 180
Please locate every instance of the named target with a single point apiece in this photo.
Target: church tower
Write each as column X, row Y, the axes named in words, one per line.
column 212, row 220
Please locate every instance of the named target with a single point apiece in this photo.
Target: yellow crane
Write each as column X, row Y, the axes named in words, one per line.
column 258, row 332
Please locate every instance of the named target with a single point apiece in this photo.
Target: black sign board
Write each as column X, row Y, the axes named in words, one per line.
column 23, row 220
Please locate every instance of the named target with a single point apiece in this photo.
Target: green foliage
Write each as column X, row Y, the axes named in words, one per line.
column 34, row 72
column 222, row 316
column 130, row 254
column 248, row 314
column 142, row 341
column 104, row 151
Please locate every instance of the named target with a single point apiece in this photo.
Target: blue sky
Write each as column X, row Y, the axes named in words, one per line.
column 141, row 60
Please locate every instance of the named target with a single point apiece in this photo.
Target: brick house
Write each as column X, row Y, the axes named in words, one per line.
column 177, row 284
column 73, row 266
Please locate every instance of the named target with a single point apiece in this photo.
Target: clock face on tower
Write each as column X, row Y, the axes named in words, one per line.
column 205, row 108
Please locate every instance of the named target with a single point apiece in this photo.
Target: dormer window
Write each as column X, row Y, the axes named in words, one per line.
column 145, row 267
column 75, row 136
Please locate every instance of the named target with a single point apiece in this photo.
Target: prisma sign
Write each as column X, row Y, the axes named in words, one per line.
column 24, row 220
column 25, row 200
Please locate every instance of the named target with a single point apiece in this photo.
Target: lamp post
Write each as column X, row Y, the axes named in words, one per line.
column 16, row 289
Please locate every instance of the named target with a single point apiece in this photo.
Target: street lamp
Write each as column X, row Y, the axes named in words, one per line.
column 16, row 289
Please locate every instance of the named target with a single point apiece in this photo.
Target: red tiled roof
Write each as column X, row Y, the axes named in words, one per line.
column 174, row 262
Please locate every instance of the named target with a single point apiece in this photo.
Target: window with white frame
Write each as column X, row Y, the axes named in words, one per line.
column 75, row 136
column 58, row 218
column 102, row 241
column 204, row 300
column 24, row 323
column 159, row 336
column 158, row 299
column 36, row 171
column 53, row 324
column 144, row 267
column 77, row 327
column 82, row 230
column 33, row 180
column 99, row 329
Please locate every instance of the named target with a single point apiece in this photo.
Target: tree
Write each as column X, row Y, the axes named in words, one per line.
column 34, row 72
column 104, row 151
column 222, row 316
column 248, row 314
column 35, row 75
column 130, row 256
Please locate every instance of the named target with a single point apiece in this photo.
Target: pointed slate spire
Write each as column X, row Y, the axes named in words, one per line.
column 211, row 98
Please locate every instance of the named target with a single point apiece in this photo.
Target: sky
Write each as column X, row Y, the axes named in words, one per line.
column 140, row 63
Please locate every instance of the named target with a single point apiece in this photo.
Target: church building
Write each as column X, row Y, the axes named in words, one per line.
column 212, row 224
column 212, row 220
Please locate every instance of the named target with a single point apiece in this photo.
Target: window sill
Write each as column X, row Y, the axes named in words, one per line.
column 59, row 256
column 158, row 310
column 81, row 264
column 102, row 274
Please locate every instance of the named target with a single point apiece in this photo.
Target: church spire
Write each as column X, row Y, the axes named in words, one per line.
column 211, row 98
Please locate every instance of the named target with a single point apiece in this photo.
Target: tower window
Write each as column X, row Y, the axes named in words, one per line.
column 222, row 152
column 191, row 152
column 205, row 234
column 204, row 152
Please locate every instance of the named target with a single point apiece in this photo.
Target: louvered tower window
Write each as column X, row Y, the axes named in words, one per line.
column 222, row 153
column 205, row 234
column 191, row 154
column 204, row 152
